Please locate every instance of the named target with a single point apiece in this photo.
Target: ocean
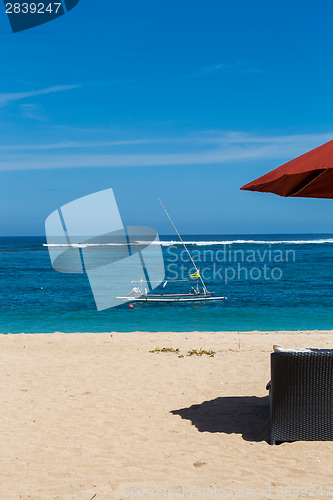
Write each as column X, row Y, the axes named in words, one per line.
column 272, row 282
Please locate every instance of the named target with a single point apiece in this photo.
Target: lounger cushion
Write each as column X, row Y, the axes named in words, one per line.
column 279, row 348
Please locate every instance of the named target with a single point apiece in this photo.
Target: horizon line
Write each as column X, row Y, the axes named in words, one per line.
column 188, row 234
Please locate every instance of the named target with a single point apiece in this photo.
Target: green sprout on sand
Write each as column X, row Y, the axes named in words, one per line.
column 200, row 352
column 165, row 349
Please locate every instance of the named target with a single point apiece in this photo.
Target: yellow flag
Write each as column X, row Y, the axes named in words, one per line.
column 195, row 275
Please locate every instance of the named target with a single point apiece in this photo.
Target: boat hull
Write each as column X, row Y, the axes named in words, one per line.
column 172, row 298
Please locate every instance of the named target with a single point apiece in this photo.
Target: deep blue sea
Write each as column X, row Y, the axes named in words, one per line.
column 272, row 282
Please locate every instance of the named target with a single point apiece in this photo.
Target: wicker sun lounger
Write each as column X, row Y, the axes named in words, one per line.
column 301, row 396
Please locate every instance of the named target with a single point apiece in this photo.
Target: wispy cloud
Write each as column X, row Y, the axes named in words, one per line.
column 84, row 144
column 205, row 149
column 28, row 162
column 32, row 111
column 8, row 97
column 238, row 67
column 237, row 137
column 222, row 139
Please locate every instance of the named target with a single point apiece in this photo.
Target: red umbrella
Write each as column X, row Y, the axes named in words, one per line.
column 309, row 175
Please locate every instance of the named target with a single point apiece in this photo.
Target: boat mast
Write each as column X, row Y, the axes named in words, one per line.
column 203, row 284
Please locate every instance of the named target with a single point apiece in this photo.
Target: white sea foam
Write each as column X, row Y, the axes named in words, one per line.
column 249, row 242
column 204, row 243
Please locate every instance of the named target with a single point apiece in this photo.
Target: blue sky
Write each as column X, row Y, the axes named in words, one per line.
column 183, row 100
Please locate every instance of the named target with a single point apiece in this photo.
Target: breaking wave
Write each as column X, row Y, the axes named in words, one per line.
column 320, row 241
column 250, row 242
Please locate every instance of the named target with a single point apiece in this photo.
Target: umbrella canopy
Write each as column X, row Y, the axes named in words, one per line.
column 309, row 175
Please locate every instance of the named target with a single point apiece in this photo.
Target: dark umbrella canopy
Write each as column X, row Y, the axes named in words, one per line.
column 309, row 175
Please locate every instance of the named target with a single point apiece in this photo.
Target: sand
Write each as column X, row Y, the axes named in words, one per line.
column 88, row 416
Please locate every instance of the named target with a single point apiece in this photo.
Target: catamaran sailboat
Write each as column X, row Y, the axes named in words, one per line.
column 193, row 295
column 141, row 294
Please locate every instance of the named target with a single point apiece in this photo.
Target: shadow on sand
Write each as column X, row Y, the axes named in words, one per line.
column 245, row 415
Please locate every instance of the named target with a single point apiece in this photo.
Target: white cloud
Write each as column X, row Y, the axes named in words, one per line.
column 7, row 98
column 221, row 148
column 211, row 137
column 80, row 144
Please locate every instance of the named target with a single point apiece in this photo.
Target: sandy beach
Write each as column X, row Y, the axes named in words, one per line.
column 100, row 416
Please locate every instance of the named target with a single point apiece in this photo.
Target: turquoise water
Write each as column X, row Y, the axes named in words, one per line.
column 298, row 295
